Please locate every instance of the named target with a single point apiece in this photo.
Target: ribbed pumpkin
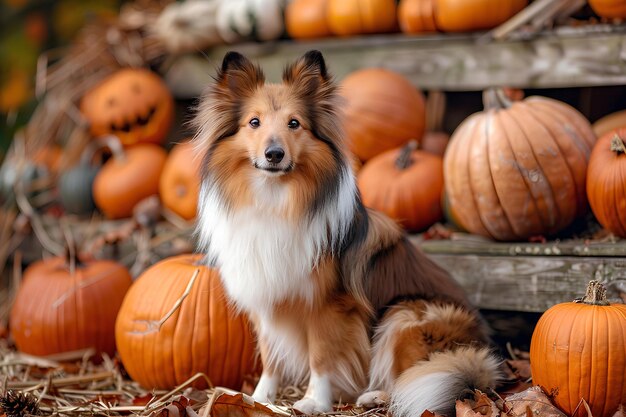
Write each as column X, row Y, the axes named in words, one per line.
column 383, row 111
column 606, row 181
column 127, row 178
column 577, row 352
column 405, row 184
column 612, row 9
column 179, row 185
column 518, row 169
column 354, row 17
column 64, row 306
column 609, row 122
column 202, row 335
column 307, row 19
column 468, row 15
column 134, row 104
column 417, row 16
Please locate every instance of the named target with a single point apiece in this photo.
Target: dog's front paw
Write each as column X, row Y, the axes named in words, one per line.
column 373, row 399
column 309, row 405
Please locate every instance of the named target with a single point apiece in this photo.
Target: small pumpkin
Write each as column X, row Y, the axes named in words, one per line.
column 611, row 9
column 133, row 104
column 383, row 111
column 305, row 19
column 417, row 16
column 518, row 169
column 202, row 335
column 577, row 352
column 405, row 184
column 260, row 20
column 179, row 185
column 609, row 122
column 354, row 17
column 127, row 178
column 470, row 15
column 606, row 181
column 65, row 304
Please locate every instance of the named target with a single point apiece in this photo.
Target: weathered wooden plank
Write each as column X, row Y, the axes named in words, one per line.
column 591, row 56
column 475, row 245
column 531, row 284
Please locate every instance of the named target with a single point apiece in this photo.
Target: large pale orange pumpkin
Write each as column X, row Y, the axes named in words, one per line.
column 612, row 9
column 202, row 335
column 306, row 19
column 134, row 104
column 62, row 307
column 354, row 17
column 179, row 185
column 417, row 16
column 518, row 169
column 468, row 15
column 383, row 111
column 127, row 178
column 405, row 184
column 577, row 352
column 606, row 181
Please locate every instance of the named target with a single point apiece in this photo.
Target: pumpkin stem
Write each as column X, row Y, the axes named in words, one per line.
column 617, row 145
column 494, row 98
column 595, row 294
column 404, row 159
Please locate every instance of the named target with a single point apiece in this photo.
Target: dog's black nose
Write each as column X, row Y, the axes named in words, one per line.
column 274, row 154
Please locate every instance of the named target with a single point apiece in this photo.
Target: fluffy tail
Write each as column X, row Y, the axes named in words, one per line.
column 436, row 383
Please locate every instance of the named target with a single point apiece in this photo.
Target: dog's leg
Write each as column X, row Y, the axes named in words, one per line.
column 338, row 355
column 265, row 391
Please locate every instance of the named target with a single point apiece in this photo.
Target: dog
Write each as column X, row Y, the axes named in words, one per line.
column 336, row 292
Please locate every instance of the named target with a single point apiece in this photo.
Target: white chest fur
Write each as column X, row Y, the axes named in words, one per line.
column 263, row 257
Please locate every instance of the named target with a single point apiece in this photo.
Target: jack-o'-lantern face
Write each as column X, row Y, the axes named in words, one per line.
column 133, row 104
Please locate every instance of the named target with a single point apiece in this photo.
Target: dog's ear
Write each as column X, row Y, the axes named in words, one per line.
column 308, row 73
column 239, row 75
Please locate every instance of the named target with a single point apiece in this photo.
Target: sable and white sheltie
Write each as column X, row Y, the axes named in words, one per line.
column 336, row 292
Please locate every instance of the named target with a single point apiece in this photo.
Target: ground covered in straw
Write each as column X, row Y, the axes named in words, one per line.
column 74, row 384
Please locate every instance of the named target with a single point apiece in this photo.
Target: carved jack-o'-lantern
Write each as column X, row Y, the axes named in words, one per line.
column 133, row 104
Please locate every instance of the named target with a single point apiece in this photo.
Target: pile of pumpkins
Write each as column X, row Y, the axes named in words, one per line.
column 130, row 114
column 320, row 18
column 516, row 170
column 71, row 303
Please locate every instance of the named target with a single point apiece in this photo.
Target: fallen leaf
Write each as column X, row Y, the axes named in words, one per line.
column 479, row 406
column 228, row 403
column 531, row 402
column 429, row 413
column 520, row 368
column 142, row 400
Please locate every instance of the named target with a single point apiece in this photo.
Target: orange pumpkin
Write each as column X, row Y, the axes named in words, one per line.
column 306, row 19
column 127, row 178
column 468, row 15
column 179, row 185
column 606, row 181
column 202, row 335
column 354, row 17
column 61, row 307
column 383, row 111
column 609, row 122
column 612, row 9
column 417, row 16
column 577, row 352
column 133, row 104
column 518, row 169
column 405, row 184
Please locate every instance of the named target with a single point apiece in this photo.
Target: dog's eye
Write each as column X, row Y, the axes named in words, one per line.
column 254, row 122
column 293, row 124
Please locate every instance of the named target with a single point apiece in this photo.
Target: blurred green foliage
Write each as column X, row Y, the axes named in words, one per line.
column 27, row 28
